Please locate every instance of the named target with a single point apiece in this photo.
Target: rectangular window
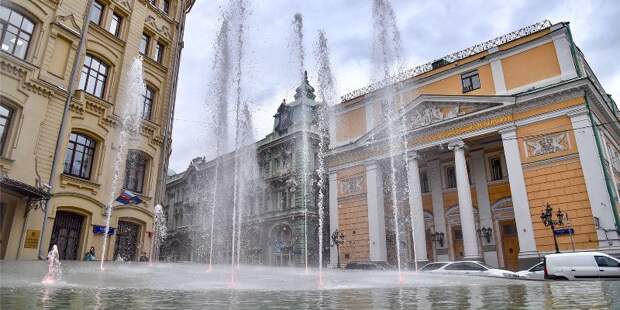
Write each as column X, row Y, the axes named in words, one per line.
column 96, row 12
column 135, row 171
column 159, row 52
column 144, row 44
column 496, row 169
column 115, row 24
column 450, row 177
column 147, row 103
column 5, row 122
column 470, row 81
column 424, row 182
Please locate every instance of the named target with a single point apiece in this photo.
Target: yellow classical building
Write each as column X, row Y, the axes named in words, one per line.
column 493, row 133
column 61, row 63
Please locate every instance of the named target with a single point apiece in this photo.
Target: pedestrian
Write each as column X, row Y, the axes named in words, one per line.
column 90, row 255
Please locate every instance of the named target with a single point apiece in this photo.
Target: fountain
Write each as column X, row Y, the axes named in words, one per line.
column 387, row 62
column 299, row 54
column 328, row 96
column 159, row 233
column 219, row 111
column 54, row 273
column 129, row 100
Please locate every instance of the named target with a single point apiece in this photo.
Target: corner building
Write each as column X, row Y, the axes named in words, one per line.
column 279, row 214
column 40, row 41
column 494, row 133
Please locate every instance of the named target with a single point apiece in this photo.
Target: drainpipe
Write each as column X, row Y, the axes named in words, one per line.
column 599, row 147
column 64, row 122
column 573, row 51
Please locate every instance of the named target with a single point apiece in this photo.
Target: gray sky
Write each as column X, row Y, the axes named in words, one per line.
column 429, row 29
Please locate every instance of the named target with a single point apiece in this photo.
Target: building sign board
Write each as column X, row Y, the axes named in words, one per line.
column 32, row 239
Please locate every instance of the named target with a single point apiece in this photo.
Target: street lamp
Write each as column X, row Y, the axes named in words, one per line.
column 485, row 232
column 337, row 240
column 547, row 218
column 438, row 237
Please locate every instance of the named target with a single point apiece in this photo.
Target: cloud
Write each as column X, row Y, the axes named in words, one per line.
column 429, row 29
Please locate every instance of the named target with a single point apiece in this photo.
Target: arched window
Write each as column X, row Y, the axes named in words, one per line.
column 135, row 170
column 94, row 76
column 80, row 155
column 147, row 102
column 15, row 31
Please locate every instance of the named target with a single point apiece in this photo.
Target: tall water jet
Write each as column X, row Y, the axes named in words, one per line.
column 387, row 62
column 159, row 233
column 218, row 108
column 328, row 97
column 54, row 273
column 299, row 54
column 129, row 99
column 237, row 14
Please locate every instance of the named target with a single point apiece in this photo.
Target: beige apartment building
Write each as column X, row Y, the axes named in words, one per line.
column 40, row 41
column 494, row 133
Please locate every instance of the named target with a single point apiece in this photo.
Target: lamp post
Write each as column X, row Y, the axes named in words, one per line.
column 547, row 218
column 438, row 237
column 337, row 240
column 485, row 232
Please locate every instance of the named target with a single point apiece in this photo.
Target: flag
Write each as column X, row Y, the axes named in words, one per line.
column 127, row 197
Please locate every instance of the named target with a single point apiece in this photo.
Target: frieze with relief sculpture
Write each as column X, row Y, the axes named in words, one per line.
column 547, row 144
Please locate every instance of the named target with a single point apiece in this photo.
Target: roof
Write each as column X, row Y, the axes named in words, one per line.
column 478, row 48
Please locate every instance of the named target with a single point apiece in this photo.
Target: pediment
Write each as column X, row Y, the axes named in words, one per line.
column 430, row 110
column 69, row 23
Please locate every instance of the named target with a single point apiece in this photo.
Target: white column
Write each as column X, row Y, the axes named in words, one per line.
column 416, row 210
column 478, row 169
column 593, row 175
column 376, row 217
column 466, row 209
column 333, row 216
column 520, row 203
column 439, row 219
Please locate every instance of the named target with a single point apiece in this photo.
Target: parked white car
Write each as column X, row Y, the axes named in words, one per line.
column 581, row 266
column 536, row 272
column 468, row 268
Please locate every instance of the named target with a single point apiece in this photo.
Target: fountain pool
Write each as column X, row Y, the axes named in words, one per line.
column 190, row 286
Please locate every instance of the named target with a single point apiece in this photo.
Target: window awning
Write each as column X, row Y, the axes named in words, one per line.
column 23, row 189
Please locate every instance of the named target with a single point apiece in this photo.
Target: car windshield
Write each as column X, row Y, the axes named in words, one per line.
column 433, row 266
column 538, row 267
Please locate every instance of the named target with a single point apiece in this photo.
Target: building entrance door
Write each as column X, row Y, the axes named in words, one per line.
column 510, row 244
column 457, row 243
column 66, row 234
column 126, row 241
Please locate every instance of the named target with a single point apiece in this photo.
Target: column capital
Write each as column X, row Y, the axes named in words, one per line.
column 508, row 131
column 456, row 145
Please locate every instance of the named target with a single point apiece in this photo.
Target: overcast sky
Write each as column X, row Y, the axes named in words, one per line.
column 429, row 29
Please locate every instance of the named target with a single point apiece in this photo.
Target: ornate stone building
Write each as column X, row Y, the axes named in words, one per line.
column 61, row 66
column 494, row 133
column 274, row 227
